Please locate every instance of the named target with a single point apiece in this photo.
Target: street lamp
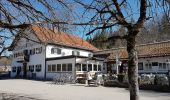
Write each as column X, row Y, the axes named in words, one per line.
column 118, row 63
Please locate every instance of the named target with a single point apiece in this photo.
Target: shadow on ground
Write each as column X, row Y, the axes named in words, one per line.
column 11, row 96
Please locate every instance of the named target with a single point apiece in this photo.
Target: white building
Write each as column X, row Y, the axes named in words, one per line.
column 152, row 58
column 41, row 53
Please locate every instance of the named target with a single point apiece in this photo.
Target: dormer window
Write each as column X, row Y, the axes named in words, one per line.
column 77, row 53
column 55, row 51
column 38, row 50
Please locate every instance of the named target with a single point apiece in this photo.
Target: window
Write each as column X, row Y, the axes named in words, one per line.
column 95, row 67
column 55, row 51
column 77, row 53
column 78, row 67
column 30, row 52
column 49, row 68
column 90, row 55
column 148, row 66
column 31, row 68
column 73, row 53
column 25, row 52
column 13, row 69
column 154, row 63
column 69, row 67
column 64, row 67
column 162, row 66
column 38, row 50
column 84, row 67
column 99, row 67
column 38, row 68
column 89, row 67
column 140, row 66
column 59, row 67
column 53, row 68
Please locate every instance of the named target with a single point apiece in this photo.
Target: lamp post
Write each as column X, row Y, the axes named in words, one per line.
column 117, row 66
column 168, row 63
column 118, row 63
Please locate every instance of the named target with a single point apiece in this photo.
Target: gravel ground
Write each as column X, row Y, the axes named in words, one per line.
column 37, row 90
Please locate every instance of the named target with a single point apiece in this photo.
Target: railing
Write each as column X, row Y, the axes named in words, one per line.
column 63, row 78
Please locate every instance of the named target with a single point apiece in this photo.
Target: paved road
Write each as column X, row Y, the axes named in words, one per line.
column 46, row 90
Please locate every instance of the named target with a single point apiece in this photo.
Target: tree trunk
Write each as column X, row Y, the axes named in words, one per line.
column 132, row 67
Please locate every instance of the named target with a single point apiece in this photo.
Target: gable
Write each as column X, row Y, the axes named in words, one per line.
column 26, row 39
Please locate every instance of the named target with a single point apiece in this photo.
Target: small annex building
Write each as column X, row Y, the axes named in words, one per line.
column 152, row 58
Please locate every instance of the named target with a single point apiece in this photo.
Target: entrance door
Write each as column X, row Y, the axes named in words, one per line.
column 24, row 70
column 18, row 71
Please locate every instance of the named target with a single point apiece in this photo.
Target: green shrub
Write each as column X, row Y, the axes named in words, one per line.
column 159, row 88
column 121, row 77
column 114, row 83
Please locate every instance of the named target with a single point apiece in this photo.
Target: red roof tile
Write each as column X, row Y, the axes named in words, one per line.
column 48, row 36
column 146, row 50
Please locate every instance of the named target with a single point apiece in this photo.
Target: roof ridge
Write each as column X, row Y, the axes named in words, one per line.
column 140, row 45
column 154, row 43
column 63, row 38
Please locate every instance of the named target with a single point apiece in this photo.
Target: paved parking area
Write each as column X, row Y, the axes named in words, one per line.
column 38, row 90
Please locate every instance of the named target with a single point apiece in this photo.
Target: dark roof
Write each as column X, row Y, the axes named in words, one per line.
column 144, row 50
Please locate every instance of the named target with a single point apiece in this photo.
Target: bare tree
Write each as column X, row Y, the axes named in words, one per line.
column 18, row 14
column 115, row 13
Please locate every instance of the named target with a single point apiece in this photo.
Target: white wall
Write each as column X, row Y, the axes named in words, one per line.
column 66, row 50
column 155, row 69
column 35, row 59
column 38, row 59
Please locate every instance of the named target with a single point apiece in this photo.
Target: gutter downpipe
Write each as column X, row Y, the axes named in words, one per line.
column 45, row 63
